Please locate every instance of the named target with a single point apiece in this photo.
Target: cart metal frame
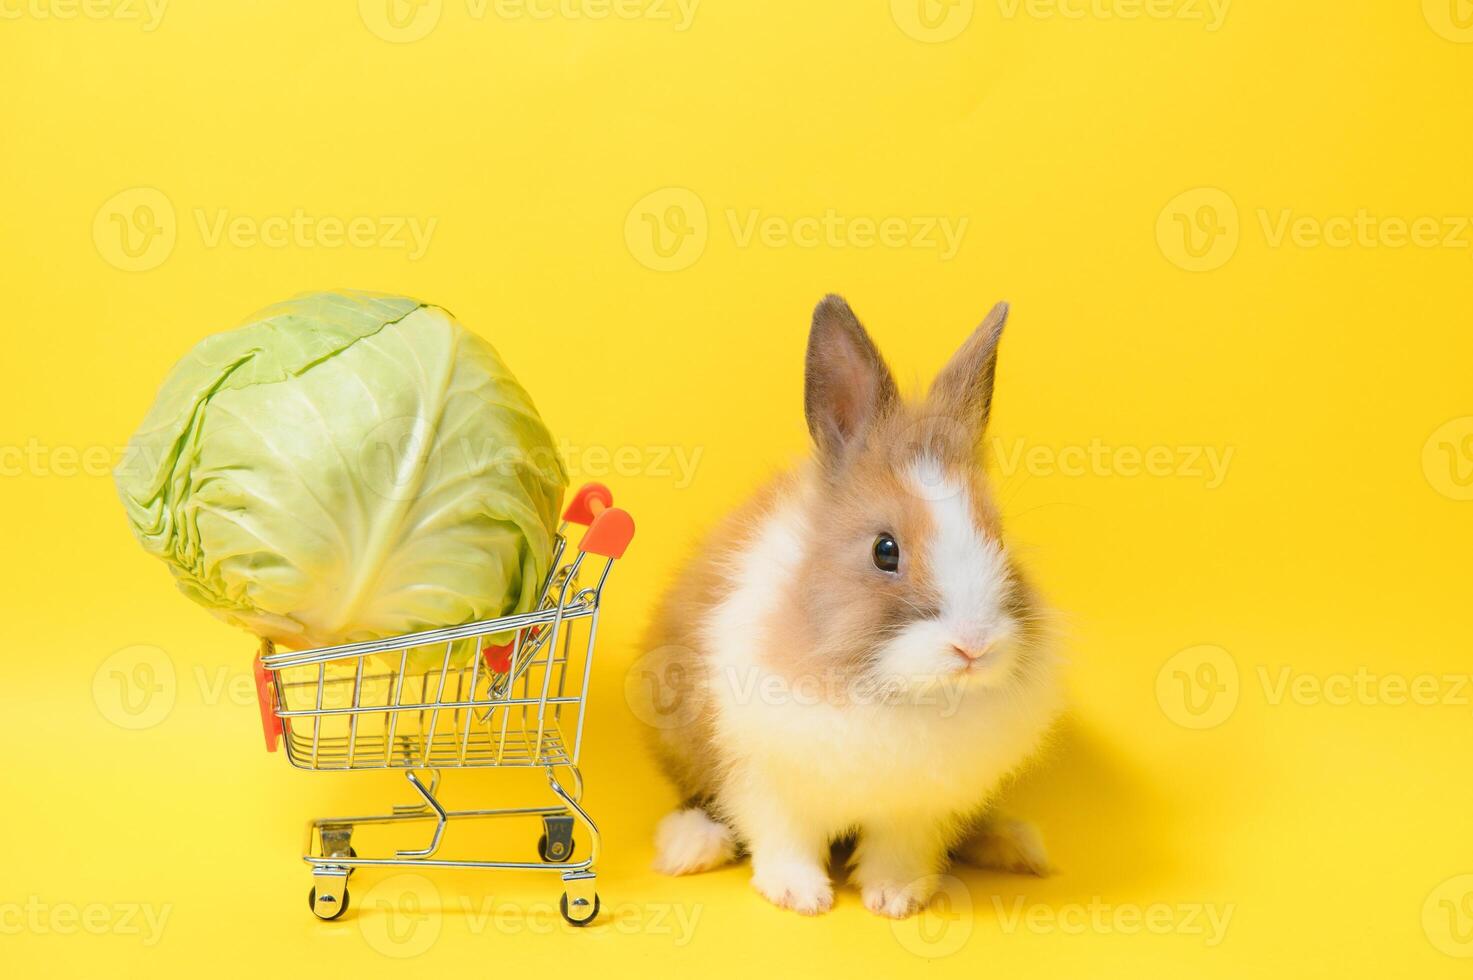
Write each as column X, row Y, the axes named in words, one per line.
column 503, row 693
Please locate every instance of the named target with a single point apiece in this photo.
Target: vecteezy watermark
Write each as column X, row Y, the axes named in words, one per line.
column 403, row 21
column 136, row 230
column 38, row 459
column 1209, row 13
column 400, row 459
column 1200, row 229
column 382, row 456
column 667, row 688
column 933, row 21
column 673, row 921
column 668, row 229
column 1447, row 459
column 945, row 437
column 1100, row 459
column 1284, row 684
column 403, row 916
column 1198, row 687
column 1201, row 686
column 678, row 464
column 944, row 925
column 937, row 21
column 1452, row 20
column 36, row 916
column 1208, row 921
column 136, row 687
column 147, row 14
column 1447, row 916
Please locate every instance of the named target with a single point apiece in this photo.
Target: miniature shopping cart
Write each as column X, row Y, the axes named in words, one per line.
column 508, row 692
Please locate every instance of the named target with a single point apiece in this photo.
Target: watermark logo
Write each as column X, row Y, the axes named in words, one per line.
column 400, row 21
column 670, row 686
column 400, row 916
column 1198, row 230
column 1198, row 687
column 933, row 21
column 404, row 458
column 667, row 229
column 135, row 229
column 944, row 925
column 662, row 689
column 1451, row 19
column 1447, row 459
column 136, row 687
column 1447, row 917
column 398, row 458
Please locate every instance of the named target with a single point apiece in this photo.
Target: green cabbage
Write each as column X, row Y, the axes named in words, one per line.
column 345, row 467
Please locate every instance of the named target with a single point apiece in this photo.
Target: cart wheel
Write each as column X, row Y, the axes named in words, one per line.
column 341, row 907
column 589, row 912
column 543, row 848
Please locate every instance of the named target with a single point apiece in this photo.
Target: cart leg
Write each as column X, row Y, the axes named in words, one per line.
column 580, row 900
column 570, row 800
column 428, row 796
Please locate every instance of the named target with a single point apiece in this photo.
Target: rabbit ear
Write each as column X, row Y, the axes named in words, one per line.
column 963, row 389
column 846, row 382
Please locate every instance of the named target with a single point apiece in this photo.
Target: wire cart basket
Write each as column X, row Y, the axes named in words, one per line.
column 503, row 693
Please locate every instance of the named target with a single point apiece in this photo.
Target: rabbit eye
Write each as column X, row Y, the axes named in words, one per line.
column 887, row 553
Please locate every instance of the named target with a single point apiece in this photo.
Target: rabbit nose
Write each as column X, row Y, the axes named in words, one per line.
column 972, row 653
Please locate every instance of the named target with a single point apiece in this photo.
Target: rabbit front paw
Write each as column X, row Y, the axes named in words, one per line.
column 898, row 900
column 790, row 883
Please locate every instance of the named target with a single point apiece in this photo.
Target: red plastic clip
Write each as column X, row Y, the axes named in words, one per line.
column 590, row 501
column 266, row 699
column 497, row 656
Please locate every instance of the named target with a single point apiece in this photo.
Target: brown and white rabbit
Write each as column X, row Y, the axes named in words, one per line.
column 855, row 650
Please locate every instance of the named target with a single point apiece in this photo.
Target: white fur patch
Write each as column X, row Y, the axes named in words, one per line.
column 689, row 841
column 970, row 570
column 970, row 574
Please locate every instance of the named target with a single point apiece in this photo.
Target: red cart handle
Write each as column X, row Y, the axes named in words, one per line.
column 609, row 529
column 266, row 699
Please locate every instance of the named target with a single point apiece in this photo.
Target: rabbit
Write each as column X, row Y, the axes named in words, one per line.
column 855, row 653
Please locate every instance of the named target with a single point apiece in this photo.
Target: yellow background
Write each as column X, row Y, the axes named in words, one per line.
column 1079, row 149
